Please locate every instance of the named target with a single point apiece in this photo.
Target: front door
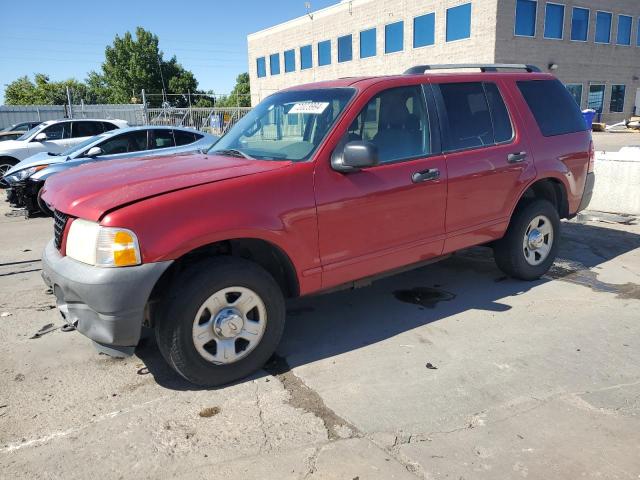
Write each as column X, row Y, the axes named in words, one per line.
column 391, row 215
column 488, row 161
column 58, row 138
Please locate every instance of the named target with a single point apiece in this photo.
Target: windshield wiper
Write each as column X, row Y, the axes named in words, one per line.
column 234, row 153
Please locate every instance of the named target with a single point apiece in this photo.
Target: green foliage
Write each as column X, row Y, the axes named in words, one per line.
column 132, row 63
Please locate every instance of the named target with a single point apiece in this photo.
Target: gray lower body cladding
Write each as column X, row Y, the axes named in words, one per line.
column 107, row 303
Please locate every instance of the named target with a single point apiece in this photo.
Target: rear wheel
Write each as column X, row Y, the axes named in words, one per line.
column 530, row 245
column 222, row 320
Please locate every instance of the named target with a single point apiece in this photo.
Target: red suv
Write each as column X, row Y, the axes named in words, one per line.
column 320, row 186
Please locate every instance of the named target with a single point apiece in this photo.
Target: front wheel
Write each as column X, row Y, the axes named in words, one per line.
column 222, row 320
column 530, row 245
column 42, row 205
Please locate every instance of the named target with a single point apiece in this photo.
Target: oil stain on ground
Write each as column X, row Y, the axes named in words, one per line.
column 588, row 278
column 423, row 296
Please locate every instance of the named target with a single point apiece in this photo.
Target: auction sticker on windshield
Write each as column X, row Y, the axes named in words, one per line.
column 313, row 108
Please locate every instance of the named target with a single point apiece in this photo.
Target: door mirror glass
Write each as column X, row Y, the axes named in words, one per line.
column 41, row 137
column 355, row 156
column 94, row 152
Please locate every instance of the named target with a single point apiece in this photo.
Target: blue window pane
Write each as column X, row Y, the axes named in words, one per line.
column 306, row 60
column 638, row 34
column 553, row 21
column 624, row 30
column 262, row 67
column 274, row 64
column 324, row 53
column 423, row 30
column 526, row 18
column 617, row 98
column 394, row 37
column 580, row 24
column 603, row 27
column 459, row 22
column 345, row 48
column 290, row 61
column 368, row 43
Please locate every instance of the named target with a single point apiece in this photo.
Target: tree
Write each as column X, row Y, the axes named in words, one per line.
column 42, row 91
column 240, row 96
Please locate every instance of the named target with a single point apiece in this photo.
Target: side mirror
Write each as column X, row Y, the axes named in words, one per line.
column 41, row 137
column 355, row 156
column 94, row 152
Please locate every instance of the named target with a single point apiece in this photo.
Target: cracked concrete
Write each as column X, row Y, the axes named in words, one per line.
column 529, row 380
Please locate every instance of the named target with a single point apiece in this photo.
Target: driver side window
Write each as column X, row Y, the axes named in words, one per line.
column 58, row 131
column 396, row 122
column 127, row 143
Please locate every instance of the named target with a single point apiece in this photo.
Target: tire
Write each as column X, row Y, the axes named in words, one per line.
column 5, row 165
column 529, row 259
column 183, row 316
column 42, row 205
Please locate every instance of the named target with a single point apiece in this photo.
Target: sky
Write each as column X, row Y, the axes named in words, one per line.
column 66, row 39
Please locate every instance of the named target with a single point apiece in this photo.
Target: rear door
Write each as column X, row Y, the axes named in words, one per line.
column 391, row 215
column 487, row 158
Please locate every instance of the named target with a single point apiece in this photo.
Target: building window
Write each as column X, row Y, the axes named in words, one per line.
column 575, row 89
column 394, row 37
column 580, row 24
column 617, row 98
column 261, row 65
column 603, row 27
column 526, row 18
column 458, row 22
column 554, row 21
column 595, row 100
column 290, row 61
column 274, row 64
column 345, row 48
column 624, row 30
column 638, row 34
column 306, row 60
column 424, row 30
column 324, row 53
column 368, row 43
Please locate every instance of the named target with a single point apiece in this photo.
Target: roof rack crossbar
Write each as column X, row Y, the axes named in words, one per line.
column 484, row 67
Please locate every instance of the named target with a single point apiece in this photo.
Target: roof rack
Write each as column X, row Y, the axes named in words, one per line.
column 484, row 67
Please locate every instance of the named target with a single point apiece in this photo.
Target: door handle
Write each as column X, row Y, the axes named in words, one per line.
column 426, row 175
column 517, row 157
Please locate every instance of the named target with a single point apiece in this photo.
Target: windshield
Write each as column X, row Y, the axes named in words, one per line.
column 76, row 148
column 28, row 134
column 285, row 126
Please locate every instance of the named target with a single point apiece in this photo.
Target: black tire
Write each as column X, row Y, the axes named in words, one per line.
column 5, row 164
column 42, row 205
column 187, row 294
column 508, row 251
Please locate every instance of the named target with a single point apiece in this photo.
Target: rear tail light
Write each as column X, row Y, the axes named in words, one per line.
column 592, row 157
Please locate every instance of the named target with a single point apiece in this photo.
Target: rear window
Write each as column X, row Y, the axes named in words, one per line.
column 553, row 107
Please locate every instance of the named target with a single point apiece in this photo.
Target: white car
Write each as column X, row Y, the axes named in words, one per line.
column 53, row 136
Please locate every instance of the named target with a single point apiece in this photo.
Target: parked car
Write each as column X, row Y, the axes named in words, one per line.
column 52, row 136
column 27, row 177
column 16, row 130
column 13, row 135
column 319, row 187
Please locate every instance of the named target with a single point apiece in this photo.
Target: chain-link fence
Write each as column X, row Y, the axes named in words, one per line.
column 213, row 120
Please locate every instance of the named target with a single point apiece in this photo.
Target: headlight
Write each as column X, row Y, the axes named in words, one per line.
column 101, row 246
column 23, row 174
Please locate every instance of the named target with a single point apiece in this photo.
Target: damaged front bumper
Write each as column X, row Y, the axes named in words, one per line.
column 108, row 304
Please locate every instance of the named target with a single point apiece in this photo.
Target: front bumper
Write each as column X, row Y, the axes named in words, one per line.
column 107, row 303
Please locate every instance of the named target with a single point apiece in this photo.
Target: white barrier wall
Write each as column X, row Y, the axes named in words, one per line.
column 617, row 188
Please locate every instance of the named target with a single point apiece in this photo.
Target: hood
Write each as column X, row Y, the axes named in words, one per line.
column 12, row 145
column 89, row 191
column 42, row 158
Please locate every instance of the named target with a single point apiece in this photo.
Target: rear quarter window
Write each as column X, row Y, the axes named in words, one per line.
column 553, row 107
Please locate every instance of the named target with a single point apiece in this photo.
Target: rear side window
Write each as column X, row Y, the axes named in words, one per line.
column 86, row 129
column 162, row 139
column 553, row 107
column 184, row 138
column 474, row 115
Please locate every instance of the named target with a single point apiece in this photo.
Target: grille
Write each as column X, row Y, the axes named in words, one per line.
column 59, row 222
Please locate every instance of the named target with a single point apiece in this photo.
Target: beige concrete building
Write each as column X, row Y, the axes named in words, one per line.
column 593, row 46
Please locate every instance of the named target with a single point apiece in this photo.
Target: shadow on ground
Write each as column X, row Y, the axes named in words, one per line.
column 322, row 326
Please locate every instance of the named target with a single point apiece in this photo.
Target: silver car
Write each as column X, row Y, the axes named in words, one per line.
column 27, row 177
